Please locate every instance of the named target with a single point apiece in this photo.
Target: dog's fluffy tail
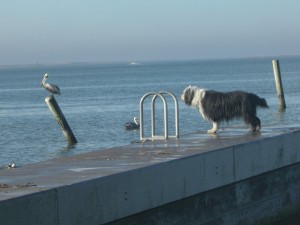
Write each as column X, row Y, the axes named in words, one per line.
column 261, row 102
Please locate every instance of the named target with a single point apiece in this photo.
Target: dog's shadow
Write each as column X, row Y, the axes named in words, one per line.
column 231, row 133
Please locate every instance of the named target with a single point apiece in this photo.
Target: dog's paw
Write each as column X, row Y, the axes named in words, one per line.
column 212, row 131
column 255, row 129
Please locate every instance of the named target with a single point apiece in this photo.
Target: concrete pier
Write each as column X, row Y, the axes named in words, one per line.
column 235, row 177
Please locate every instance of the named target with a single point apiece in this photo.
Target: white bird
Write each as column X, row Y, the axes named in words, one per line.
column 52, row 88
column 132, row 125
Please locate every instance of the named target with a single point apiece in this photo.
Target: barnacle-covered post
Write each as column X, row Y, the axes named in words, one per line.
column 60, row 118
column 278, row 83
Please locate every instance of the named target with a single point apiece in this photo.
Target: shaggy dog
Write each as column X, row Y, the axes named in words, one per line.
column 224, row 106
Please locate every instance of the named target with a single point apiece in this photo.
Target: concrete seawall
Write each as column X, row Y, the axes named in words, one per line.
column 233, row 178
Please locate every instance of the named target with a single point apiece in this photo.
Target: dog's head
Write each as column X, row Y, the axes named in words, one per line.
column 192, row 95
column 188, row 95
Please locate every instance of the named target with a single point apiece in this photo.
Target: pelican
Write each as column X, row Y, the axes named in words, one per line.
column 52, row 88
column 132, row 125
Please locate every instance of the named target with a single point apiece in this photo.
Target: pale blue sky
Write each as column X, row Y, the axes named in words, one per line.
column 62, row 31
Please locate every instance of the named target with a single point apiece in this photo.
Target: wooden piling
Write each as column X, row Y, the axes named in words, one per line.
column 60, row 118
column 278, row 82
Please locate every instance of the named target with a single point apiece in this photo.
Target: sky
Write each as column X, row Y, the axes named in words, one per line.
column 64, row 31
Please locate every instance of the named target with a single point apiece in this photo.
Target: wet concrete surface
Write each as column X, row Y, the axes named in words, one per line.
column 15, row 182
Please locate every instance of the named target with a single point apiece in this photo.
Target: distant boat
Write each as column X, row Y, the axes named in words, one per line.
column 134, row 63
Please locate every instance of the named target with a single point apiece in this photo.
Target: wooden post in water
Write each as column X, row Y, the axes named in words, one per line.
column 278, row 83
column 60, row 118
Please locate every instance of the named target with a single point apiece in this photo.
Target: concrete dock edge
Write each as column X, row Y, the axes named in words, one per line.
column 225, row 185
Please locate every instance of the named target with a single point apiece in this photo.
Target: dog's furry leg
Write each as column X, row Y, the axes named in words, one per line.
column 214, row 129
column 255, row 126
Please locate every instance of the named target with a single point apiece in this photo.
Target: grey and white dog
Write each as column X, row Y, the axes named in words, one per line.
column 224, row 106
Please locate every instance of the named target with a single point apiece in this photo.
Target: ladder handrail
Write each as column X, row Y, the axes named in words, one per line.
column 155, row 95
column 176, row 113
column 142, row 114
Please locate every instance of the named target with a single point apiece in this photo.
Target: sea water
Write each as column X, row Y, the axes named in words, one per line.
column 98, row 98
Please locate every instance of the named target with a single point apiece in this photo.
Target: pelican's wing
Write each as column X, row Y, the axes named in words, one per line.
column 52, row 88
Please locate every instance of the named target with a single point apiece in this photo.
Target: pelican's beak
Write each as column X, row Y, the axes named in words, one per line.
column 44, row 79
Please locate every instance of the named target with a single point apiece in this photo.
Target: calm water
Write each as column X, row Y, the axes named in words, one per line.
column 97, row 99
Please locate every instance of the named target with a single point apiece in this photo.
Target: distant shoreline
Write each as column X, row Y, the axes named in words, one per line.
column 129, row 62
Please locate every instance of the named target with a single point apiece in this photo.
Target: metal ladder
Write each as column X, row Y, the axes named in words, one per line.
column 154, row 97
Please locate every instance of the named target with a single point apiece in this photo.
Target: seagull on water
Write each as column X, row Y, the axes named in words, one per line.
column 52, row 88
